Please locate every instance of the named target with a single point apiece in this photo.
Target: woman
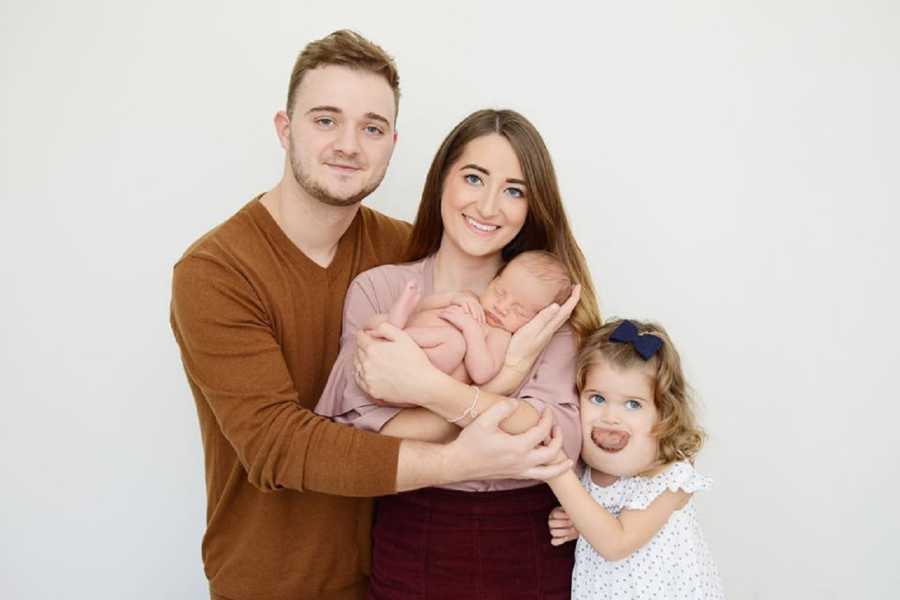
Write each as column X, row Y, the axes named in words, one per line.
column 490, row 194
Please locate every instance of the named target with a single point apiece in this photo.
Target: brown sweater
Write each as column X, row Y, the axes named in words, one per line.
column 258, row 323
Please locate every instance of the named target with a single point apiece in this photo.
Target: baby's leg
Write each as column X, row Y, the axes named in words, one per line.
column 444, row 346
column 405, row 305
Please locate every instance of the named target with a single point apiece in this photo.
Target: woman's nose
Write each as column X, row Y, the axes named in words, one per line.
column 488, row 205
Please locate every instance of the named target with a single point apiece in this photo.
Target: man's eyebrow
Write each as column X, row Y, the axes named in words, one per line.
column 377, row 117
column 333, row 109
column 486, row 172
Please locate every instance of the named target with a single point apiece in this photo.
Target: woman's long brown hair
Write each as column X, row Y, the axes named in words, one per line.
column 546, row 226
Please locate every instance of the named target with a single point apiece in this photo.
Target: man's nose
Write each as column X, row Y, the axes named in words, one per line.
column 347, row 141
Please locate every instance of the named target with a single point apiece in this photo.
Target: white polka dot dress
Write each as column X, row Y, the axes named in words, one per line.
column 675, row 565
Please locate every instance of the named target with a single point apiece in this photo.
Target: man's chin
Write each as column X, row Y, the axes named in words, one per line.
column 340, row 200
column 330, row 197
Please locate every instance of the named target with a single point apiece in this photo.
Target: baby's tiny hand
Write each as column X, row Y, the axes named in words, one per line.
column 469, row 302
column 562, row 529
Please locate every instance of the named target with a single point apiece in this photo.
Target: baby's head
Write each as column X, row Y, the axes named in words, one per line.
column 636, row 411
column 524, row 286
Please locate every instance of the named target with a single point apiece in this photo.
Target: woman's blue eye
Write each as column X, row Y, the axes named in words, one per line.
column 597, row 399
column 515, row 192
column 472, row 179
column 632, row 404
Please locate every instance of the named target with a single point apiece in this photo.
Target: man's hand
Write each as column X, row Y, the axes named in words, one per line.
column 531, row 339
column 391, row 368
column 562, row 529
column 484, row 451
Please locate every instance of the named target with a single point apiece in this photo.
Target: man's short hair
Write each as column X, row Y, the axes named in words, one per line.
column 349, row 49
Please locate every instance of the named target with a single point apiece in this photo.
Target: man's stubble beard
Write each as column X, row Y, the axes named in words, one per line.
column 311, row 187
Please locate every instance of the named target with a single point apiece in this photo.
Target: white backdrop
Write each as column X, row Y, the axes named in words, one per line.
column 731, row 169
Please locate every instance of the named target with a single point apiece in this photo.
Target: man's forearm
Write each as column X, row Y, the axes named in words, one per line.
column 423, row 464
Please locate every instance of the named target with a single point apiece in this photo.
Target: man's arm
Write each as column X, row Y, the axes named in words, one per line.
column 236, row 366
column 484, row 451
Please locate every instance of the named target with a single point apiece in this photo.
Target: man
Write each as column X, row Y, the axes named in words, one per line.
column 256, row 311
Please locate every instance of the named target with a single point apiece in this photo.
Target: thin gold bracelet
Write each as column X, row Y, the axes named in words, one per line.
column 469, row 412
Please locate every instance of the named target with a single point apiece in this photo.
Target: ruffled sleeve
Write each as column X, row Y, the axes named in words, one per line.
column 679, row 476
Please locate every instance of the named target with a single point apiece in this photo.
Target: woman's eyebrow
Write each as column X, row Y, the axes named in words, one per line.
column 476, row 167
column 486, row 172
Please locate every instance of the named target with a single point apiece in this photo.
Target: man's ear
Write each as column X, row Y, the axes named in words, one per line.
column 395, row 136
column 283, row 129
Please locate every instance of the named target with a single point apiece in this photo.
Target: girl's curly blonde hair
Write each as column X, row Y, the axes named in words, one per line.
column 680, row 438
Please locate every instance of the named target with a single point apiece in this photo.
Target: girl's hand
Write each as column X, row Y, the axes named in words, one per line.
column 531, row 339
column 470, row 303
column 562, row 530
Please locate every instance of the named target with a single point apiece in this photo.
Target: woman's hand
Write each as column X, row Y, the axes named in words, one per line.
column 390, row 366
column 562, row 529
column 528, row 342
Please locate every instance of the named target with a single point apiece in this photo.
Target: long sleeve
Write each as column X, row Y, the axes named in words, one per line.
column 552, row 384
column 371, row 293
column 232, row 357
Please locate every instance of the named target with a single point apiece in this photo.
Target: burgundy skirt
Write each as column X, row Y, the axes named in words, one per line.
column 433, row 544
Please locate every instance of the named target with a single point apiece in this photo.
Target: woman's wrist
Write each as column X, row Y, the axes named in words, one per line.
column 518, row 365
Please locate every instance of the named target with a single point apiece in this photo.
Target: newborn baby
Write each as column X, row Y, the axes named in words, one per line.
column 466, row 336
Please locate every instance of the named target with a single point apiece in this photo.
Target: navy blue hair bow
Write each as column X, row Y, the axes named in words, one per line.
column 627, row 333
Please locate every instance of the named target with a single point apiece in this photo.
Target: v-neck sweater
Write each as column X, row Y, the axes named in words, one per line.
column 258, row 324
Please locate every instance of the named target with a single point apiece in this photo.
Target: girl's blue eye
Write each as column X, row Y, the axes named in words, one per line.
column 597, row 399
column 632, row 404
column 515, row 192
column 472, row 179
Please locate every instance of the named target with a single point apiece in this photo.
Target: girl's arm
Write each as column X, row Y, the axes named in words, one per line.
column 614, row 538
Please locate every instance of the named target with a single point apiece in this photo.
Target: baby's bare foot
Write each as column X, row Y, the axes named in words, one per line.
column 405, row 304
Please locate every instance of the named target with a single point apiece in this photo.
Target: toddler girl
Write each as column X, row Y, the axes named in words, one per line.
column 639, row 536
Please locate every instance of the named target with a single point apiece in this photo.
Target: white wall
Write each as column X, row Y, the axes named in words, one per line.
column 731, row 169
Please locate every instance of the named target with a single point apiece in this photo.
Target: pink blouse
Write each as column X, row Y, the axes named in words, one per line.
column 550, row 383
